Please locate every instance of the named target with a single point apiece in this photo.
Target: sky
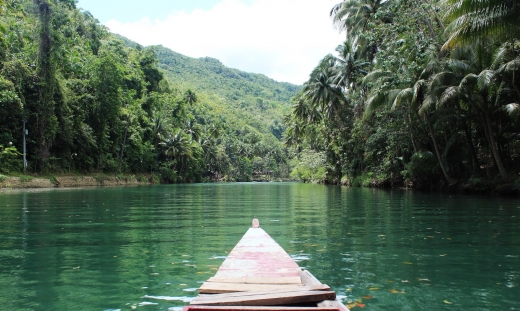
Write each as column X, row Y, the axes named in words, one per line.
column 282, row 39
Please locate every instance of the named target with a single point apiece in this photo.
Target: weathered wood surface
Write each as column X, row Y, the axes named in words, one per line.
column 264, row 298
column 259, row 275
column 219, row 288
column 293, row 280
column 308, row 279
column 257, row 308
column 259, row 257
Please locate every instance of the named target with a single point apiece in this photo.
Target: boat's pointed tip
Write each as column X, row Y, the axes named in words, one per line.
column 256, row 223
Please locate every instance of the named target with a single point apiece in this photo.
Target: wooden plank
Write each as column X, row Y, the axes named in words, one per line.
column 333, row 304
column 258, row 257
column 294, row 280
column 270, row 298
column 244, row 294
column 266, row 279
column 309, row 279
column 256, row 308
column 218, row 288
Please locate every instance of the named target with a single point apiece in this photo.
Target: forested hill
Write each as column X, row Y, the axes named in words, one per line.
column 210, row 75
column 94, row 102
column 258, row 100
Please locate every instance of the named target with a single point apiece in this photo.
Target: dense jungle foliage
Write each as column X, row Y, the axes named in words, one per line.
column 98, row 103
column 424, row 93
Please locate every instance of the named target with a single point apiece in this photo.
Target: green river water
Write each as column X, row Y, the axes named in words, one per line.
column 150, row 248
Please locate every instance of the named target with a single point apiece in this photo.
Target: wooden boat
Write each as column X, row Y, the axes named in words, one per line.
column 259, row 275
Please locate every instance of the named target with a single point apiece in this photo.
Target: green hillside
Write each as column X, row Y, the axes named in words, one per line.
column 261, row 100
column 95, row 102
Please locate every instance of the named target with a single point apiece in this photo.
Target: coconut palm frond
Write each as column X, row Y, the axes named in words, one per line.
column 468, row 82
column 485, row 78
column 457, row 66
column 502, row 55
column 509, row 67
column 427, row 103
column 418, row 90
column 404, row 95
column 449, row 95
column 373, row 103
column 375, row 75
column 470, row 19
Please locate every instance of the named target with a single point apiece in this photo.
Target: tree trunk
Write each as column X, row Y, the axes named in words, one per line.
column 46, row 84
column 450, row 180
column 474, row 159
column 123, row 146
column 490, row 134
column 409, row 125
column 467, row 131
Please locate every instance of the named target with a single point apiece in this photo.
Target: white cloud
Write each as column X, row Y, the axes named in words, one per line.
column 283, row 39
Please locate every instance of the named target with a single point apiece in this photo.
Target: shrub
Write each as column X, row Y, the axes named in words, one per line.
column 26, row 178
column 423, row 167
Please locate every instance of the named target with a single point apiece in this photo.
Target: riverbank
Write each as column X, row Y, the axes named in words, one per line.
column 30, row 182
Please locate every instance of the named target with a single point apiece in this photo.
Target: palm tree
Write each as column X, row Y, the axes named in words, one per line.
column 194, row 130
column 354, row 15
column 190, row 97
column 417, row 101
column 486, row 83
column 180, row 147
column 470, row 20
column 322, row 93
column 349, row 65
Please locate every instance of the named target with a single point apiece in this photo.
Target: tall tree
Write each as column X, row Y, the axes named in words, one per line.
column 46, row 119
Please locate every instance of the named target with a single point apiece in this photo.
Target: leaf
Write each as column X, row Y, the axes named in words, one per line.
column 367, row 297
column 395, row 291
column 361, row 305
column 374, row 288
column 447, row 302
column 408, row 263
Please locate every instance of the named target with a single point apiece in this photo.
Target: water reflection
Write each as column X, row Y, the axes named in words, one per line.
column 151, row 247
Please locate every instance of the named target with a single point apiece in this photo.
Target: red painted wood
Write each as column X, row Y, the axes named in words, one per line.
column 258, row 256
column 253, row 308
column 258, row 273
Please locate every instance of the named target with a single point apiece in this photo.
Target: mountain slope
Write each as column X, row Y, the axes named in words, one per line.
column 256, row 97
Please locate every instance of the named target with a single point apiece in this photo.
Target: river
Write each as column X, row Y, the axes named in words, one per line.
column 150, row 247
